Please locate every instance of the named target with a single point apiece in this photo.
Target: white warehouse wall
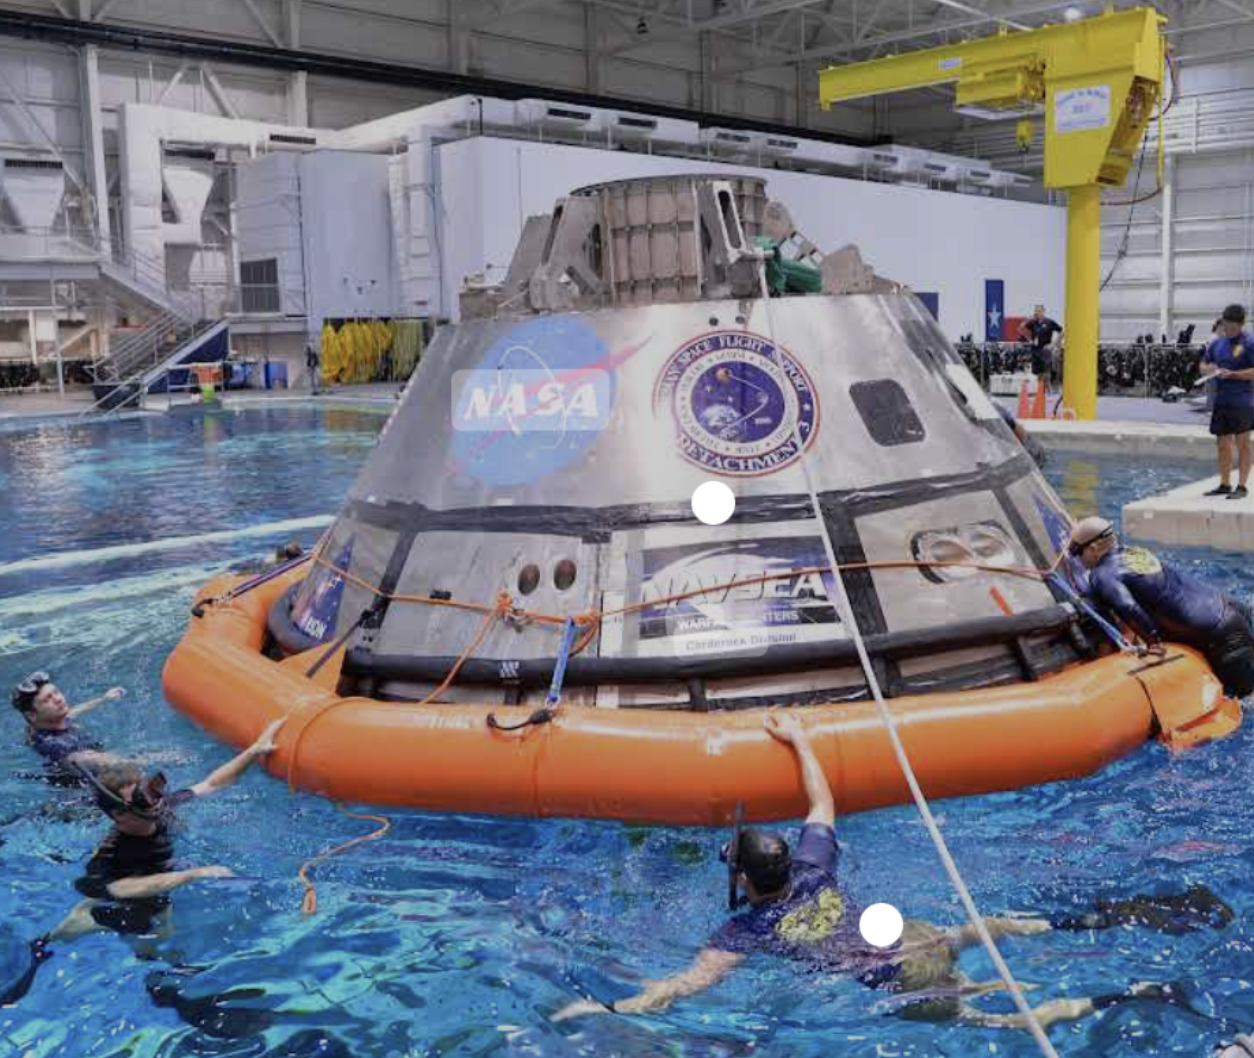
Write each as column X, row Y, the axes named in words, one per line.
column 325, row 217
column 933, row 241
column 268, row 223
column 347, row 221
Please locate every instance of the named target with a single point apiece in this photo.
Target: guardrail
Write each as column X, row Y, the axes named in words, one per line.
column 145, row 274
column 41, row 244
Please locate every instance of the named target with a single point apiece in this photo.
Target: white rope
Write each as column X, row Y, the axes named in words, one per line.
column 890, row 724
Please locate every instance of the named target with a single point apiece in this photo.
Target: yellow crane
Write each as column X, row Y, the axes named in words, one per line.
column 1097, row 81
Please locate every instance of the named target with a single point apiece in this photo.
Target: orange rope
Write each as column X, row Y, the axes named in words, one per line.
column 310, row 903
column 594, row 618
column 504, row 609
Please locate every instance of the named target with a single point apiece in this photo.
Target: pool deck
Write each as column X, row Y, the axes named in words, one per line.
column 76, row 402
column 1186, row 517
column 1147, row 429
column 1130, row 426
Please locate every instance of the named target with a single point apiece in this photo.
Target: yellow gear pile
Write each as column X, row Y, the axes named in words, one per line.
column 355, row 353
column 406, row 348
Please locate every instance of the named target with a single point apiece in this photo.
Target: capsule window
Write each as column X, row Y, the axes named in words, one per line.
column 887, row 413
column 528, row 578
column 961, row 551
column 564, row 574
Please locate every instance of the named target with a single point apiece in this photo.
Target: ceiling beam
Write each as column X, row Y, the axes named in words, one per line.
column 217, row 91
column 761, row 10
column 1240, row 9
column 264, row 23
column 971, row 9
column 884, row 40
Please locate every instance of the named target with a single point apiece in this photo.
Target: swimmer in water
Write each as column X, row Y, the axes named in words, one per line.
column 52, row 731
column 50, row 728
column 128, row 879
column 798, row 908
column 1159, row 602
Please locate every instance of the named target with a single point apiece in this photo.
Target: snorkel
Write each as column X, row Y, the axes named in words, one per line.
column 145, row 802
column 730, row 855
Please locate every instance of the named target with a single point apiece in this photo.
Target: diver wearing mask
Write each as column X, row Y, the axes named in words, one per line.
column 129, row 877
column 1159, row 602
column 791, row 903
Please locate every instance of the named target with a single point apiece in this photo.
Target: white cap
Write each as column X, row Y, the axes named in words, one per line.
column 1089, row 529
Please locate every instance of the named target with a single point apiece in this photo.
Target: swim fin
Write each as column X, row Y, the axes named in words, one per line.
column 1169, row 993
column 1195, row 909
column 216, row 1015
column 39, row 954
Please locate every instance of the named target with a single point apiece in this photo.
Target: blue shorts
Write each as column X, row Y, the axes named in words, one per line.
column 1227, row 421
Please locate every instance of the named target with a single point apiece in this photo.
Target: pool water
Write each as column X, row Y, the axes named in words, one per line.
column 459, row 936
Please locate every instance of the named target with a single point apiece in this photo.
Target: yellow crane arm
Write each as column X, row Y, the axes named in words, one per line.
column 1097, row 80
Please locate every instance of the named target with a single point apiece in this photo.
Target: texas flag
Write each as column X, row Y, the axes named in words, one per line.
column 994, row 308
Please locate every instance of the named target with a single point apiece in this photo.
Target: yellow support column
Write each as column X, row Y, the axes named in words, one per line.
column 1084, row 248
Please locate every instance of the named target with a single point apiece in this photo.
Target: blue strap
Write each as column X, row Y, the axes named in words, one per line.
column 268, row 575
column 1110, row 631
column 563, row 655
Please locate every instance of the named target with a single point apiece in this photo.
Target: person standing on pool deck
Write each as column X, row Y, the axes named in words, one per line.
column 312, row 362
column 798, row 909
column 1040, row 331
column 1229, row 359
column 50, row 728
column 1159, row 602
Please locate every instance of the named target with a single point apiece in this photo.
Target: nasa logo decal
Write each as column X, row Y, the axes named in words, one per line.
column 540, row 398
column 737, row 411
column 316, row 608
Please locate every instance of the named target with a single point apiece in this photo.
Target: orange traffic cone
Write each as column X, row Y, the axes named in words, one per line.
column 1038, row 409
column 1023, row 412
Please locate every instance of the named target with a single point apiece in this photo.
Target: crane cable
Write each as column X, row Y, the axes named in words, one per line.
column 845, row 610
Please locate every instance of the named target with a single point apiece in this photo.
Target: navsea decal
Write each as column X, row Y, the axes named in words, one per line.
column 737, row 405
column 539, row 399
column 794, row 606
column 317, row 608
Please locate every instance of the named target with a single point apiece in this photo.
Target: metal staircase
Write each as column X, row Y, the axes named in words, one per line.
column 177, row 321
column 144, row 279
column 139, row 360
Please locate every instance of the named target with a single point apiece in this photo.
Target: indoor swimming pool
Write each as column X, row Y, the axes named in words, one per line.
column 458, row 936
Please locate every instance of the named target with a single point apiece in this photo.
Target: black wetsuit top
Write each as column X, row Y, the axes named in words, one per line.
column 130, row 856
column 1041, row 332
column 1157, row 600
column 55, row 746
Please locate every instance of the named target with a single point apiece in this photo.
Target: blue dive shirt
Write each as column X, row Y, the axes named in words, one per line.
column 1157, row 600
column 1232, row 354
column 817, row 921
column 55, row 746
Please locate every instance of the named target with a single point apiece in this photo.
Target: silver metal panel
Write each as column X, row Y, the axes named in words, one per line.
column 475, row 567
column 961, row 525
column 531, row 439
column 639, row 457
